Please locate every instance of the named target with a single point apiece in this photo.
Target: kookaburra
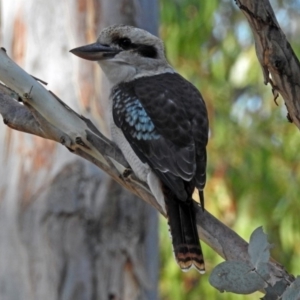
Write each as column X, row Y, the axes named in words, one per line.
column 159, row 121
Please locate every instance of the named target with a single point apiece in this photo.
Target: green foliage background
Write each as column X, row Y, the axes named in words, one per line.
column 253, row 151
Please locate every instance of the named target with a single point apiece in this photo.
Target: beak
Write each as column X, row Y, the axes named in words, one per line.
column 95, row 51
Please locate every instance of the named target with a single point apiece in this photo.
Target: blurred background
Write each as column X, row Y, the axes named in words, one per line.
column 64, row 234
column 253, row 151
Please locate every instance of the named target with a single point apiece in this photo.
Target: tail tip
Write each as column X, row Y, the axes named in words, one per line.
column 185, row 266
column 189, row 257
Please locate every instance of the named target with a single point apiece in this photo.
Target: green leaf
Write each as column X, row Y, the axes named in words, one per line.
column 236, row 277
column 259, row 248
column 240, row 277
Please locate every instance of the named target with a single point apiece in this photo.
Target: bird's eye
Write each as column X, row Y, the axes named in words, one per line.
column 125, row 43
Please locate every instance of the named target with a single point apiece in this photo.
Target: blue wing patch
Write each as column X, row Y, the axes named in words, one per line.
column 130, row 110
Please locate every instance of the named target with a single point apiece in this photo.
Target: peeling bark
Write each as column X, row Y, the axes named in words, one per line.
column 279, row 63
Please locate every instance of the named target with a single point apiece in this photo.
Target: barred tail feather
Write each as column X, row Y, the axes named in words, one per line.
column 185, row 240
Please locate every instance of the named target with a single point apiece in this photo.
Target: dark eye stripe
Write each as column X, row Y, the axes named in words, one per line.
column 147, row 51
column 144, row 50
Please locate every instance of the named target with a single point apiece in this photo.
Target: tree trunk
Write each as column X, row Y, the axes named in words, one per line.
column 67, row 231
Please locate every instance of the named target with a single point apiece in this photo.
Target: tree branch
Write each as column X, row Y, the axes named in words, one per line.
column 43, row 114
column 280, row 66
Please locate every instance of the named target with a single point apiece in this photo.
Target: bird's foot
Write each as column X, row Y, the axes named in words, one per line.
column 127, row 173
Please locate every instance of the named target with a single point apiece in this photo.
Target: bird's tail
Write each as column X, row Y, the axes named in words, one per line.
column 185, row 239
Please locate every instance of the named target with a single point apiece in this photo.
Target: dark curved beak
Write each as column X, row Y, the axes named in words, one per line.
column 95, row 51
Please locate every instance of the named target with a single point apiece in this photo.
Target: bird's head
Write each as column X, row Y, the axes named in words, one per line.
column 125, row 53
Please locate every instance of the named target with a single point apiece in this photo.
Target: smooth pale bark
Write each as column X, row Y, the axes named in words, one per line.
column 67, row 231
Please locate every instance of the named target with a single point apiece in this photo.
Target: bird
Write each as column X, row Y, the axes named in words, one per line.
column 159, row 121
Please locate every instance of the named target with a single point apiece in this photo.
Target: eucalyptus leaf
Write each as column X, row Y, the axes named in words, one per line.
column 236, row 277
column 259, row 247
